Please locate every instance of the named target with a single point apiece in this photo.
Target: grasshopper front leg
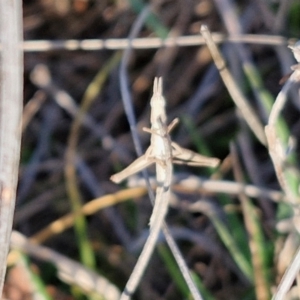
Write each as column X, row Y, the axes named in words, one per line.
column 137, row 165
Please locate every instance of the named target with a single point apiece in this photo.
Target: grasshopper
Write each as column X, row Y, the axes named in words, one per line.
column 163, row 152
column 152, row 155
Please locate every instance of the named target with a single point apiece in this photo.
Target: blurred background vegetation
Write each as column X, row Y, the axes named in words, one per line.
column 236, row 241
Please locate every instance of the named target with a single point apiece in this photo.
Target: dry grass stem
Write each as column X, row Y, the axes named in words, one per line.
column 236, row 94
column 11, row 74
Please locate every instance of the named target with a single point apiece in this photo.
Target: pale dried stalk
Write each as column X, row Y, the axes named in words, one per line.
column 277, row 150
column 194, row 184
column 68, row 270
column 288, row 278
column 149, row 43
column 10, row 118
column 234, row 91
column 278, row 153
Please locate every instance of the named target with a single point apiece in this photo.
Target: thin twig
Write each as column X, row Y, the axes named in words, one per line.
column 150, row 43
column 186, row 183
column 65, row 222
column 236, row 94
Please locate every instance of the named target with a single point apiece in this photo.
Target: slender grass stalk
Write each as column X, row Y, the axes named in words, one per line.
column 288, row 278
column 256, row 238
column 235, row 92
column 60, row 225
column 11, row 96
column 278, row 144
column 227, row 238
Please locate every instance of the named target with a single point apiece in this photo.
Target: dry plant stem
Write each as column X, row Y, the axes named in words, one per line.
column 278, row 154
column 288, row 278
column 191, row 184
column 234, row 26
column 69, row 271
column 150, row 43
column 195, row 184
column 65, row 222
column 11, row 89
column 276, row 148
column 237, row 96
